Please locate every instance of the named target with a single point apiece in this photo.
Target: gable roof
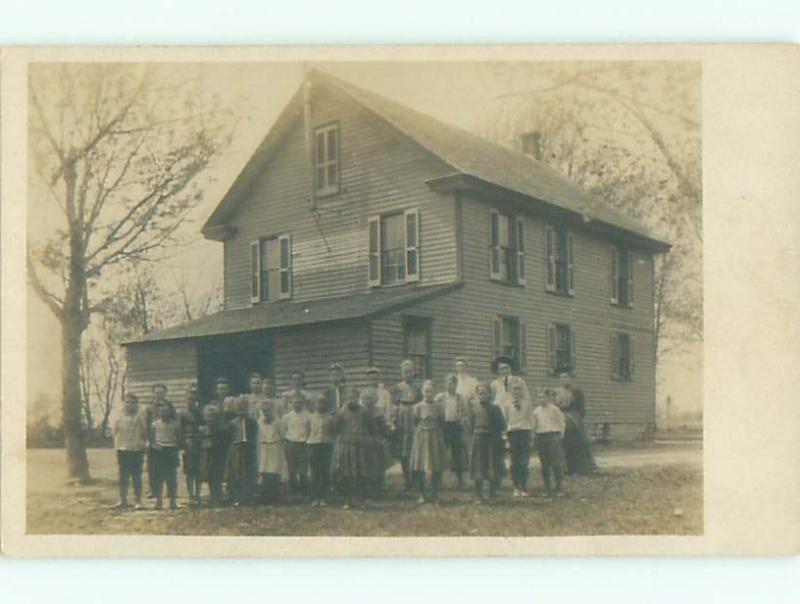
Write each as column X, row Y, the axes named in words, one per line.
column 469, row 156
column 290, row 314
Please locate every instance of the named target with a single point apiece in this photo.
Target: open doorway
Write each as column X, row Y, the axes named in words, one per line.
column 233, row 357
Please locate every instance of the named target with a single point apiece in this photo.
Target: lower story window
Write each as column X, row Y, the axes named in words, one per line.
column 561, row 348
column 509, row 340
column 621, row 356
column 417, row 344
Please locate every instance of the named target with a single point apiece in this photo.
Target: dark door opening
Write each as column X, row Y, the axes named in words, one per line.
column 233, row 357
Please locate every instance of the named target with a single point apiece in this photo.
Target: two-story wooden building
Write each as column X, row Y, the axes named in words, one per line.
column 364, row 232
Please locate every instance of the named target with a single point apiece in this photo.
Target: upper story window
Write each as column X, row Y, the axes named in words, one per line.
column 509, row 339
column 326, row 159
column 558, row 261
column 621, row 277
column 621, row 356
column 560, row 349
column 271, row 269
column 507, row 249
column 394, row 248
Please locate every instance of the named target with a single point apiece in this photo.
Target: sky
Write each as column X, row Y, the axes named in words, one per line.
column 464, row 94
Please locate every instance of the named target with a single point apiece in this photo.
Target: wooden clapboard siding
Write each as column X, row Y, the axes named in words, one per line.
column 381, row 171
column 313, row 348
column 173, row 363
column 449, row 338
column 589, row 312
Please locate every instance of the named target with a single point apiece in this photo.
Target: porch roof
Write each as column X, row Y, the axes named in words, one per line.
column 289, row 313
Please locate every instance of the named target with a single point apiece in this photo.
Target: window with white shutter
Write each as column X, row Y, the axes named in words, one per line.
column 394, row 248
column 621, row 350
column 561, row 349
column 622, row 277
column 559, row 265
column 506, row 249
column 271, row 269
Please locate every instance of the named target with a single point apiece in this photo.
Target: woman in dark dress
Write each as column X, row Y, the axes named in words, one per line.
column 577, row 446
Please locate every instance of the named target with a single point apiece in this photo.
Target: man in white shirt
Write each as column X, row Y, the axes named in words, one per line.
column 466, row 383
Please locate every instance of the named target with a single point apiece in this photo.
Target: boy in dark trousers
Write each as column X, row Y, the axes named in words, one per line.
column 130, row 439
column 242, row 472
column 213, row 454
column 320, row 449
column 486, row 460
column 190, row 420
column 165, row 443
column 549, row 425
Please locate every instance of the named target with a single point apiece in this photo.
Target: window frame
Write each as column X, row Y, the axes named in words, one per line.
column 410, row 247
column 519, row 343
column 559, row 241
column 284, row 268
column 426, row 323
column 514, row 254
column 617, row 359
column 622, row 276
column 553, row 366
column 327, row 190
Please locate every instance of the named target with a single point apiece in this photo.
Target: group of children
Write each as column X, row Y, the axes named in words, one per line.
column 310, row 448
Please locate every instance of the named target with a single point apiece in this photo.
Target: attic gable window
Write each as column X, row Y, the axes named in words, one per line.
column 326, row 159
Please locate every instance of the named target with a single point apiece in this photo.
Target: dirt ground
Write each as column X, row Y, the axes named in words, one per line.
column 650, row 491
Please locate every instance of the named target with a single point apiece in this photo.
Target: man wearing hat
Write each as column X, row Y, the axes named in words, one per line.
column 503, row 368
column 334, row 393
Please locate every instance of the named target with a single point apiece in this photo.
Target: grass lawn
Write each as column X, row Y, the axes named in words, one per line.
column 653, row 492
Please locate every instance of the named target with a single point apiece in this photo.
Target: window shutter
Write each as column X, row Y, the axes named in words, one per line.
column 550, row 258
column 285, row 245
column 613, row 348
column 631, row 357
column 572, row 351
column 629, row 274
column 570, row 273
column 412, row 245
column 255, row 272
column 497, row 326
column 494, row 245
column 520, row 251
column 551, row 349
column 614, row 276
column 374, row 236
column 522, row 361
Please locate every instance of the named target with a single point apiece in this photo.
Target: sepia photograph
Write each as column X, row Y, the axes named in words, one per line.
column 364, row 298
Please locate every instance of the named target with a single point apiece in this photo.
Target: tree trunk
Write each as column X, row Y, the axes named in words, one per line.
column 74, row 435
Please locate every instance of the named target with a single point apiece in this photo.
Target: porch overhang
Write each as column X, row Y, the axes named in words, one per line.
column 288, row 313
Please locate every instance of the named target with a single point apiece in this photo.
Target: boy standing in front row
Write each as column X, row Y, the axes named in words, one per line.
column 320, row 450
column 486, row 459
column 519, row 419
column 549, row 425
column 130, row 438
column 165, row 442
column 190, row 420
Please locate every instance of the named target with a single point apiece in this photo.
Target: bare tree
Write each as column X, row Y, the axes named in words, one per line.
column 118, row 153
